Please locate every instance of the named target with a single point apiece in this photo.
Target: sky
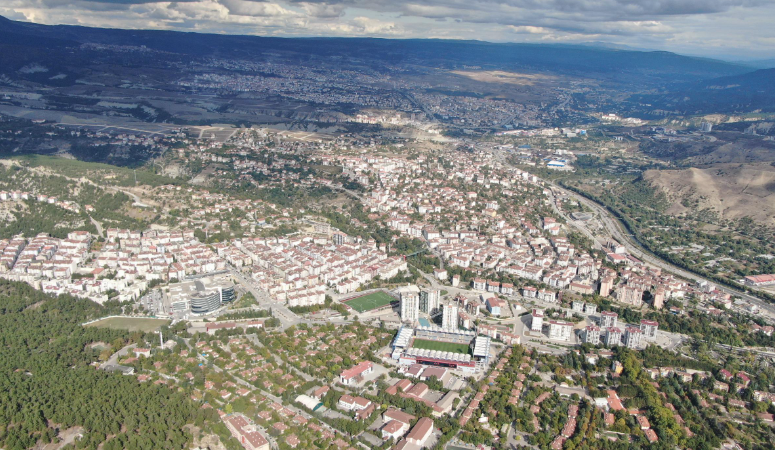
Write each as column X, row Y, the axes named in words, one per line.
column 724, row 29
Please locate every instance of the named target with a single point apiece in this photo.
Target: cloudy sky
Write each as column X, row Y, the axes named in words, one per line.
column 729, row 29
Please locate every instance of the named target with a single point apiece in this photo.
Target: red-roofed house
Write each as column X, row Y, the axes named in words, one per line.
column 420, row 432
column 395, row 414
column 350, row 403
column 292, row 441
column 320, row 392
column 402, row 384
column 246, row 433
column 394, row 430
column 354, row 374
column 614, row 402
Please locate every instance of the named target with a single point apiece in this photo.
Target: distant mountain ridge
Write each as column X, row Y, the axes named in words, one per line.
column 620, row 66
column 731, row 94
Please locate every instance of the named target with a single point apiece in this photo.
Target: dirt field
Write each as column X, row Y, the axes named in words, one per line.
column 733, row 190
column 130, row 323
column 499, row 76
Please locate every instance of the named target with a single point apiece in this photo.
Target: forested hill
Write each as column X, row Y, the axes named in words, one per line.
column 733, row 94
column 46, row 380
column 625, row 66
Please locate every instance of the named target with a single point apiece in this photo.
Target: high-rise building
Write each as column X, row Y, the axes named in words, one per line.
column 633, row 337
column 608, row 319
column 410, row 303
column 605, row 286
column 706, row 127
column 449, row 316
column 538, row 320
column 659, row 298
column 630, row 295
column 613, row 336
column 649, row 329
column 560, row 330
column 429, row 301
column 592, row 334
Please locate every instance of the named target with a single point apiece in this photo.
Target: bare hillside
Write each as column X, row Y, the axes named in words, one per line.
column 734, row 191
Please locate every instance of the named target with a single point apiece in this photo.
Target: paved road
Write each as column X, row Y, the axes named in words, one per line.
column 613, row 227
column 572, row 222
column 137, row 201
column 97, row 225
column 279, row 310
column 113, row 360
column 270, row 396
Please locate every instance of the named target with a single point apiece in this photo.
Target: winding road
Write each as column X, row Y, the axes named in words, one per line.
column 615, row 228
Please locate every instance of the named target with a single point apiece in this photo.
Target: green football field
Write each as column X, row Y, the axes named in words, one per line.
column 442, row 346
column 370, row 301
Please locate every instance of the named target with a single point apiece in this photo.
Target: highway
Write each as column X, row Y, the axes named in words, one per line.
column 615, row 229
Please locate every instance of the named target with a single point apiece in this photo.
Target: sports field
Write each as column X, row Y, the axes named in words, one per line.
column 442, row 346
column 130, row 324
column 370, row 301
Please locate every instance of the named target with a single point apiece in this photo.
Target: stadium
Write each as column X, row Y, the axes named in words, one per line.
column 436, row 346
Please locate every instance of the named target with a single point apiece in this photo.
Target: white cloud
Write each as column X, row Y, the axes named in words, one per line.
column 255, row 8
column 709, row 27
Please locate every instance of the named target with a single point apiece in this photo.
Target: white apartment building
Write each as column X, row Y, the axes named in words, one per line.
column 560, row 330
column 537, row 320
column 649, row 329
column 449, row 317
column 410, row 303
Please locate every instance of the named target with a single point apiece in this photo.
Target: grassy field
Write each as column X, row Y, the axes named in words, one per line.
column 370, row 301
column 98, row 172
column 130, row 323
column 442, row 346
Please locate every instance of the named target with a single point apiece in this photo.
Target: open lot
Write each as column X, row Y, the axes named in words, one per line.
column 130, row 323
column 370, row 301
column 441, row 346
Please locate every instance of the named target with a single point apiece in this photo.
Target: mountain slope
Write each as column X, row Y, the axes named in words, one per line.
column 731, row 94
column 622, row 66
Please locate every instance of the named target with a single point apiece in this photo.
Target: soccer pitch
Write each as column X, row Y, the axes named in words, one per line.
column 370, row 301
column 442, row 346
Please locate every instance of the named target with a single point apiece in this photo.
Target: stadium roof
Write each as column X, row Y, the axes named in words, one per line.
column 482, row 346
column 437, row 329
column 403, row 337
column 437, row 354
